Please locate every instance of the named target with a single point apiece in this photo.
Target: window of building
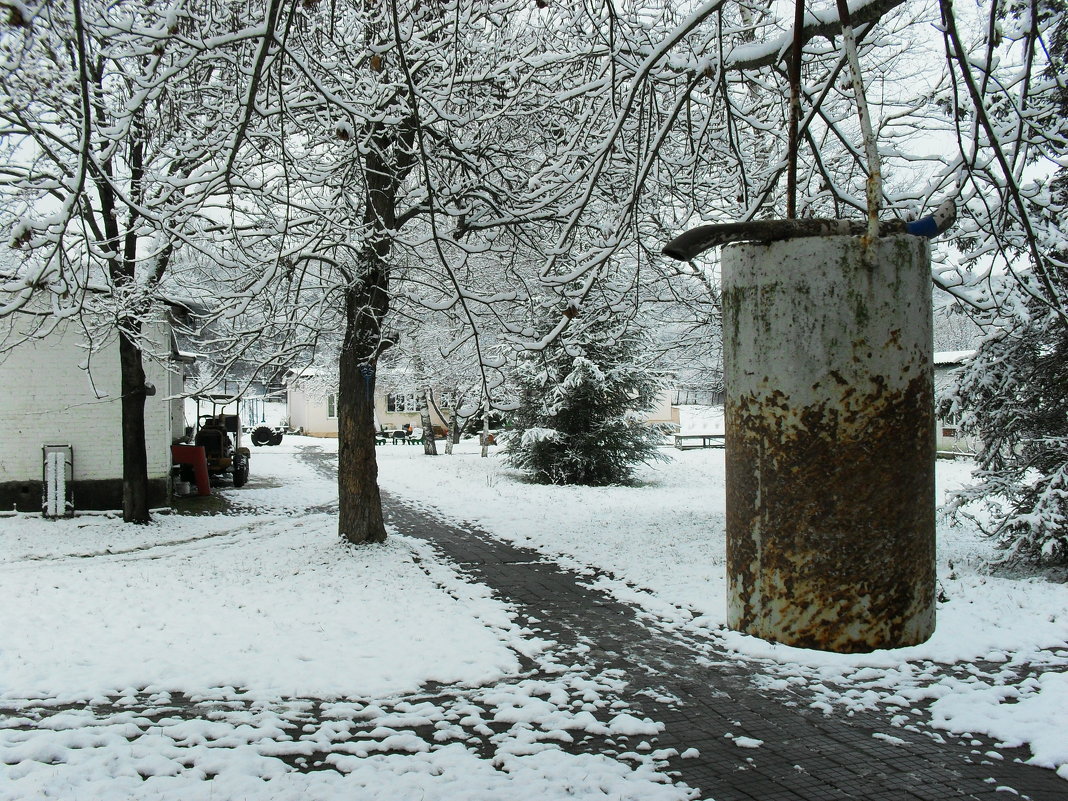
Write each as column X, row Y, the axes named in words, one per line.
column 446, row 400
column 331, row 405
column 401, row 402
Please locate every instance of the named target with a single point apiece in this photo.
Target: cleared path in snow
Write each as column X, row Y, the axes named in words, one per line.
column 751, row 743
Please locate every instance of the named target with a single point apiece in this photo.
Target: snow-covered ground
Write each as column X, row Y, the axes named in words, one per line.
column 261, row 605
column 663, row 542
column 111, row 634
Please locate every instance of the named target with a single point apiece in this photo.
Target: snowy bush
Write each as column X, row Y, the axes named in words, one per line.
column 1012, row 398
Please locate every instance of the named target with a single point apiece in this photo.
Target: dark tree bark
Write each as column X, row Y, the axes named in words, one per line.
column 384, row 166
column 134, row 455
column 122, row 269
column 360, row 501
column 456, row 427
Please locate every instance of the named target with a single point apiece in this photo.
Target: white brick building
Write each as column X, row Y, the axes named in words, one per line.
column 54, row 391
column 312, row 407
column 947, row 364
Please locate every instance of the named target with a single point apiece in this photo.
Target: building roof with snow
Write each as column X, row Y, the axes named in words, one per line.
column 948, row 357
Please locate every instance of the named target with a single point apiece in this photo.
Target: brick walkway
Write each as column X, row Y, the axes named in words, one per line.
column 702, row 694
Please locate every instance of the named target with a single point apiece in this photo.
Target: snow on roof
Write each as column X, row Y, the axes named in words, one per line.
column 953, row 356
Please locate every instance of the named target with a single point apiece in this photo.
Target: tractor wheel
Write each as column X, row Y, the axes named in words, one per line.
column 240, row 469
column 261, row 435
column 276, row 438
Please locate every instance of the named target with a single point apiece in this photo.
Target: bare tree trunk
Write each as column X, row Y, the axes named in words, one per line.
column 384, row 165
column 453, row 435
column 456, row 427
column 359, row 500
column 134, row 454
column 485, row 430
column 430, row 447
column 131, row 364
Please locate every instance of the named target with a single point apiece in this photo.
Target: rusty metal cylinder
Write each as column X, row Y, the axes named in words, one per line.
column 830, row 442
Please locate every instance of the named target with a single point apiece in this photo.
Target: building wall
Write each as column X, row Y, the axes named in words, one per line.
column 664, row 411
column 391, row 420
column 48, row 397
column 310, row 412
column 947, row 439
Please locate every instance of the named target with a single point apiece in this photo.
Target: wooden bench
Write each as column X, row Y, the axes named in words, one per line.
column 685, row 442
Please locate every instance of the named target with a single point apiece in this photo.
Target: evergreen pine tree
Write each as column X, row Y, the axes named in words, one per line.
column 1013, row 396
column 583, row 409
column 1014, row 399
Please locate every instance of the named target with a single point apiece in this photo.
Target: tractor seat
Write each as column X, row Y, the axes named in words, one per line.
column 212, row 441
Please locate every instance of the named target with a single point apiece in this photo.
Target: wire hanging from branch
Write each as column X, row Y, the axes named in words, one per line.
column 874, row 185
column 795, row 111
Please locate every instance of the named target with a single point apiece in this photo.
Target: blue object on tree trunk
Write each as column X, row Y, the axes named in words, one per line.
column 368, row 373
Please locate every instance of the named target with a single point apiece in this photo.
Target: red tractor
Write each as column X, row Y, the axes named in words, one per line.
column 220, row 436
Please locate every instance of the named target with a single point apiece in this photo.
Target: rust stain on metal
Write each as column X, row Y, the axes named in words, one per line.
column 829, row 510
column 830, row 443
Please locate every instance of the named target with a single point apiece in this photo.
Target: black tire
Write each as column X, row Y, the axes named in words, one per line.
column 240, row 470
column 261, row 435
column 276, row 438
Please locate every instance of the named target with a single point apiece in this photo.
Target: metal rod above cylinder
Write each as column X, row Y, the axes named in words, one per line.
column 830, row 441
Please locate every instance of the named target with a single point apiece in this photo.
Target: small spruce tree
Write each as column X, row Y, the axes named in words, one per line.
column 583, row 409
column 1014, row 394
column 1013, row 398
